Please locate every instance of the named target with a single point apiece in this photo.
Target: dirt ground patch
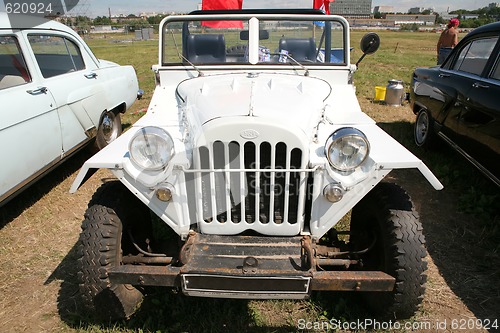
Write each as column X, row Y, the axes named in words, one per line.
column 39, row 230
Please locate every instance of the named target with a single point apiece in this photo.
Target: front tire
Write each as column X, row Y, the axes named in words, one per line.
column 386, row 215
column 101, row 248
column 424, row 129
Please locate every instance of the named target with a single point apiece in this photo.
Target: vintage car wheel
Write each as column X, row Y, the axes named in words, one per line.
column 424, row 129
column 110, row 127
column 101, row 247
column 386, row 216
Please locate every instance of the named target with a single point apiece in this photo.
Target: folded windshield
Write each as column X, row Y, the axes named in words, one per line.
column 255, row 40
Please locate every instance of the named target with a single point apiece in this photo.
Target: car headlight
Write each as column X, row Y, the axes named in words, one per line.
column 347, row 148
column 151, row 148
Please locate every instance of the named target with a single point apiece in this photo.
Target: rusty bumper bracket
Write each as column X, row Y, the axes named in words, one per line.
column 169, row 276
column 143, row 275
column 249, row 267
column 352, row 281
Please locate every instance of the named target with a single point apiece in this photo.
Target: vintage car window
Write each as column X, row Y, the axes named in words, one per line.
column 216, row 42
column 13, row 69
column 496, row 70
column 56, row 55
column 474, row 56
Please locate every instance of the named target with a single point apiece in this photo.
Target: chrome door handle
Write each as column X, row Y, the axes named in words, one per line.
column 91, row 76
column 444, row 75
column 479, row 85
column 39, row 90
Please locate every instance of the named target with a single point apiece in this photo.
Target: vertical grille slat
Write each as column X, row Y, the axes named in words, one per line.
column 250, row 162
column 243, row 188
column 241, row 183
column 214, row 191
column 257, row 183
column 236, row 190
column 295, row 183
column 272, row 187
column 286, row 197
column 205, row 185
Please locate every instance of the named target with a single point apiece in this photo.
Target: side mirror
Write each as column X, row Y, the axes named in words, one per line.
column 369, row 44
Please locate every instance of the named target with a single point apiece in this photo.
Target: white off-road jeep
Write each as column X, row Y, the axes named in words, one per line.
column 254, row 174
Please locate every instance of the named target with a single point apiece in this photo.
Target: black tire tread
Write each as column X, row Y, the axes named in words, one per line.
column 404, row 245
column 99, row 249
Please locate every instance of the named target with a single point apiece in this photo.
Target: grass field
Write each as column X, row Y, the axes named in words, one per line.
column 460, row 224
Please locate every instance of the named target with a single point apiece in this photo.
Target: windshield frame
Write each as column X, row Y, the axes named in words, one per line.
column 253, row 35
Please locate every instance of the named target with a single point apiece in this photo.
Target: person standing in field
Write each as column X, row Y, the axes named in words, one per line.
column 447, row 41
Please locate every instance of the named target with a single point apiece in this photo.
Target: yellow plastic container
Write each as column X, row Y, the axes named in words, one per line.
column 379, row 94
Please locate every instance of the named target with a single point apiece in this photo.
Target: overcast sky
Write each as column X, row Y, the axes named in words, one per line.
column 100, row 7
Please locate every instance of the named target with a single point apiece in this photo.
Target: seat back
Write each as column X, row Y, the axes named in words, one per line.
column 206, row 48
column 299, row 48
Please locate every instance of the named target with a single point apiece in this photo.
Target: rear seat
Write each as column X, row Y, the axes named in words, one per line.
column 7, row 81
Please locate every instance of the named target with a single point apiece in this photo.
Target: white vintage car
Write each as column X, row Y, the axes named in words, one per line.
column 56, row 97
column 233, row 184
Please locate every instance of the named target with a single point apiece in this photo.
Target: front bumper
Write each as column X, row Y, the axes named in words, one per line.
column 249, row 267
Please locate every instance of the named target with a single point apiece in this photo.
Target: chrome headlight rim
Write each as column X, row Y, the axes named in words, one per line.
column 345, row 133
column 153, row 137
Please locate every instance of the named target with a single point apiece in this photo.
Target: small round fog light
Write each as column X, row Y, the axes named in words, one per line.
column 333, row 192
column 164, row 194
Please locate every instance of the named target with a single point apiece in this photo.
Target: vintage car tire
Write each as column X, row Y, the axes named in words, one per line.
column 101, row 247
column 110, row 127
column 387, row 212
column 236, row 49
column 423, row 132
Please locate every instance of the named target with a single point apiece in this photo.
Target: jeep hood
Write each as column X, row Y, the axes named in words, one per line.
column 277, row 97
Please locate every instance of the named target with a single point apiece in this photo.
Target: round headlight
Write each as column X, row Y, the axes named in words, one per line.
column 347, row 148
column 151, row 148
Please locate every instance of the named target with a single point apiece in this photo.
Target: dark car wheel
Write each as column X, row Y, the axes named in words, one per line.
column 101, row 247
column 424, row 129
column 110, row 127
column 385, row 219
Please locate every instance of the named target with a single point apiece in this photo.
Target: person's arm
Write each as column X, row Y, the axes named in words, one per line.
column 455, row 39
column 438, row 46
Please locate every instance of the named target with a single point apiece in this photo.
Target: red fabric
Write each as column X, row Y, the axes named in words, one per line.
column 22, row 69
column 324, row 5
column 222, row 5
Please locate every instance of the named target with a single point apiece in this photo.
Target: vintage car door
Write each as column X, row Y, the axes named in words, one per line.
column 29, row 124
column 70, row 77
column 477, row 119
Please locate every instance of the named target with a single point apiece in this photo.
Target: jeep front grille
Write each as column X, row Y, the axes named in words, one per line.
column 239, row 186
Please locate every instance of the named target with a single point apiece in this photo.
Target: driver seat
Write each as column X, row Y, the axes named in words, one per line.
column 301, row 49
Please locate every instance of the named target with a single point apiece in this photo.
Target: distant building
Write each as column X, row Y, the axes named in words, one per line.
column 400, row 19
column 352, row 8
column 447, row 16
column 494, row 5
column 469, row 16
column 415, row 10
column 144, row 15
column 383, row 9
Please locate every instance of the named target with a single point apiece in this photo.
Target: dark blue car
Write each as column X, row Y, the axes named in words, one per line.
column 459, row 101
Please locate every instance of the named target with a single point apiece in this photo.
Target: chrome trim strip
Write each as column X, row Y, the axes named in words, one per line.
column 478, row 165
column 242, row 294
